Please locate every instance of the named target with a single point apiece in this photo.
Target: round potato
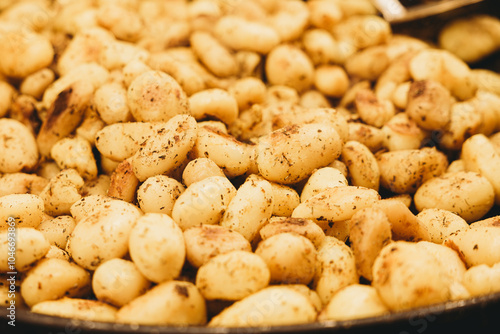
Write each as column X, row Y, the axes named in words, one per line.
column 21, row 246
column 158, row 194
column 25, row 209
column 76, row 308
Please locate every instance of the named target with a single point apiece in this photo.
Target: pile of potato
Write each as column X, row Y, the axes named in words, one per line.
column 240, row 163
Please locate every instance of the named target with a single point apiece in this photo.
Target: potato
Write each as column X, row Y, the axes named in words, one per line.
column 335, row 268
column 215, row 56
column 75, row 153
column 118, row 282
column 482, row 279
column 304, row 227
column 214, row 103
column 57, row 253
column 362, row 31
column 102, row 235
column 158, row 194
column 476, row 245
column 402, row 133
column 110, row 101
column 57, row 230
column 290, row 257
column 368, row 135
column 467, row 194
column 62, row 192
column 465, row 121
column 19, row 151
column 371, row 110
column 272, row 306
column 203, row 202
column 25, row 209
column 368, row 64
column 157, row 248
column 20, row 248
column 322, row 179
column 320, row 46
column 354, row 302
column 449, row 260
column 168, row 303
column 36, row 83
column 331, row 80
column 123, row 182
column 407, row 277
column 250, row 208
column 75, row 308
column 199, row 169
column 52, row 279
column 362, row 165
column 441, row 223
column 232, row 276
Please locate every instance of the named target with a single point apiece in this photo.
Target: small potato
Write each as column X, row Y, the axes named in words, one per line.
column 320, row 46
column 465, row 121
column 57, row 253
column 168, row 303
column 6, row 97
column 215, row 56
column 199, row 169
column 158, row 194
column 479, row 155
column 206, row 241
column 304, row 227
column 404, row 171
column 322, row 179
column 285, row 200
column 155, row 96
column 314, row 99
column 62, row 192
column 441, row 223
column 401, row 133
column 370, row 136
column 362, row 31
column 371, row 110
column 250, row 208
column 25, row 210
column 482, row 279
column 123, row 182
column 23, row 246
column 272, row 306
column 335, row 204
column 467, row 194
column 290, row 20
column 75, row 308
column 362, row 165
column 103, row 234
column 292, row 153
column 407, row 277
column 429, row 104
column 118, row 282
column 232, row 276
column 486, row 80
column 203, row 202
column 75, row 153
column 163, row 153
column 156, row 246
column 247, row 92
column 354, row 302
column 18, row 148
column 476, row 245
column 133, row 69
column 89, row 205
column 290, row 257
column 52, row 279
column 36, row 83
column 370, row 231
column 449, row 260
column 368, row 64
column 400, row 95
column 288, row 65
column 110, row 101
column 324, row 14
column 331, row 80
column 57, row 230
column 214, row 103
column 335, row 268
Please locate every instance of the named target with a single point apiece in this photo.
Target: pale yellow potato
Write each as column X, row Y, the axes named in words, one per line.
column 158, row 194
column 232, row 276
column 231, row 155
column 103, row 234
column 402, row 133
column 361, row 164
column 355, row 301
column 57, row 230
column 406, row 277
column 156, row 246
column 250, row 208
column 487, row 105
column 322, row 179
column 368, row 135
column 335, row 204
column 304, row 227
column 206, row 241
column 369, row 232
column 486, row 80
column 404, row 171
column 292, row 153
column 449, row 260
column 362, row 31
column 248, row 91
column 285, row 199
column 456, row 166
column 199, row 169
column 290, row 20
column 476, row 245
column 291, row 258
column 118, row 282
column 57, row 253
column 47, row 170
column 75, row 153
column 36, row 83
column 214, row 103
column 324, row 14
column 168, row 303
column 290, row 66
column 314, row 99
column 320, row 46
column 482, row 279
column 368, row 64
column 213, row 54
column 132, row 70
column 240, row 34
column 89, row 205
column 281, row 93
column 75, row 308
column 163, row 153
column 155, row 96
column 371, row 110
column 90, row 126
column 492, row 221
column 272, row 306
column 331, row 80
column 479, row 155
column 28, row 245
column 441, row 223
column 52, row 279
column 25, row 209
column 6, row 97
column 467, row 194
column 465, row 121
column 203, row 202
column 122, row 21
column 335, row 268
column 19, row 151
column 111, row 103
column 62, row 191
column 400, row 95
